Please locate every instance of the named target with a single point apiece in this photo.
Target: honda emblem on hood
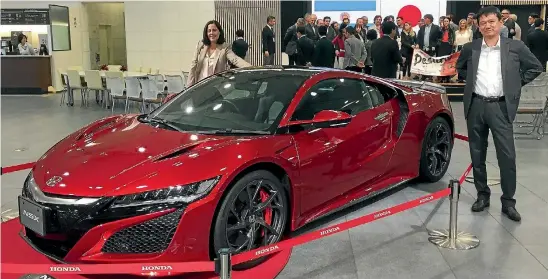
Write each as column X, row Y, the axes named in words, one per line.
column 53, row 181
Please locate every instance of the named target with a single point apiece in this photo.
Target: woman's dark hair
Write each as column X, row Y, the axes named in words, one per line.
column 221, row 39
column 21, row 36
column 371, row 34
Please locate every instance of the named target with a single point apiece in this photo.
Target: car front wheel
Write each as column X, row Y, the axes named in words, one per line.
column 253, row 214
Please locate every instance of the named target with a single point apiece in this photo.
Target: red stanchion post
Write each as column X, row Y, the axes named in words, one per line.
column 452, row 238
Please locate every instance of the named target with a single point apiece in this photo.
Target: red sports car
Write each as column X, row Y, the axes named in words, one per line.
column 236, row 161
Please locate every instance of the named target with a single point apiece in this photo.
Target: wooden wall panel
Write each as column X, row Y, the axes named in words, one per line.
column 250, row 16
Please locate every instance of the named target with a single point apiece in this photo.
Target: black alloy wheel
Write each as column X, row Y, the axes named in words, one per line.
column 253, row 214
column 436, row 150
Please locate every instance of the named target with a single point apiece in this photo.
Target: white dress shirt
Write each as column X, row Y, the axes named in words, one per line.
column 489, row 76
column 26, row 49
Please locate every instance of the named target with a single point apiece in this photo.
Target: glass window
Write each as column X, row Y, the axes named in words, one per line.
column 373, row 93
column 347, row 95
column 251, row 101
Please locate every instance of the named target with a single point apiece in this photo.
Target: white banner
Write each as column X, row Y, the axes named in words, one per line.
column 424, row 64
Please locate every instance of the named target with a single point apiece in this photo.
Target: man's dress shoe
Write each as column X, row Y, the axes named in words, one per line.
column 480, row 205
column 511, row 213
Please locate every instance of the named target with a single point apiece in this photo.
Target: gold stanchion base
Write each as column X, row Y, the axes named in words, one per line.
column 463, row 241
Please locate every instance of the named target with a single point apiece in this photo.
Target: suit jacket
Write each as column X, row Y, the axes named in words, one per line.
column 268, row 40
column 511, row 25
column 331, row 33
column 312, row 32
column 305, row 51
column 240, row 47
column 290, row 40
column 519, row 66
column 386, row 56
column 354, row 52
column 434, row 37
column 537, row 41
column 225, row 59
column 324, row 53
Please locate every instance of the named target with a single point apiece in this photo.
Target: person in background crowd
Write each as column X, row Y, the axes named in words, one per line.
column 360, row 29
column 240, row 46
column 440, row 22
column 531, row 20
column 463, row 35
column 429, row 36
column 333, row 31
column 509, row 23
column 212, row 55
column 365, row 23
column 418, row 26
column 517, row 36
column 319, row 22
column 290, row 40
column 355, row 55
column 477, row 34
column 305, row 47
column 311, row 28
column 324, row 53
column 452, row 24
column 371, row 36
column 389, row 18
column 537, row 41
column 268, row 41
column 399, row 23
column 24, row 47
column 338, row 42
column 490, row 104
column 326, row 21
column 43, row 50
column 447, row 39
column 385, row 53
column 377, row 21
column 408, row 44
column 504, row 31
column 346, row 21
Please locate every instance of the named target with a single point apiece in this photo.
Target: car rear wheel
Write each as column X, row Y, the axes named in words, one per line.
column 252, row 214
column 436, row 150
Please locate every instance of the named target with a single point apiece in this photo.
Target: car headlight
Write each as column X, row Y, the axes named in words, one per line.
column 174, row 194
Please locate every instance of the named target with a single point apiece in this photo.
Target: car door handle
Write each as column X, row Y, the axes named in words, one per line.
column 381, row 116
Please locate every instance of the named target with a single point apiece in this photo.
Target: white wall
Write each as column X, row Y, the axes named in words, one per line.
column 78, row 34
column 163, row 35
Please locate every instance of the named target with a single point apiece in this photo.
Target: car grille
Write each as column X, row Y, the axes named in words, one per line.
column 152, row 236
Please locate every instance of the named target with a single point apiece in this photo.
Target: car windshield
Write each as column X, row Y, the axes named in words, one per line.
column 250, row 102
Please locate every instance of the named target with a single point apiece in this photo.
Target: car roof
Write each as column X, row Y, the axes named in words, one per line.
column 288, row 70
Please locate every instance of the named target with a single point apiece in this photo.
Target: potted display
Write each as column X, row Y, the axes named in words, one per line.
column 103, row 68
column 123, row 68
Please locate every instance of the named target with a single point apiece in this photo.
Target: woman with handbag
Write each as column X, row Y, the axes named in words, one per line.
column 212, row 55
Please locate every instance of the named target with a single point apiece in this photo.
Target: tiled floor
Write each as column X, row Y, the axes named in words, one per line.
column 394, row 247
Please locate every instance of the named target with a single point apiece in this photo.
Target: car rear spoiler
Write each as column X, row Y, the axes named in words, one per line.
column 415, row 84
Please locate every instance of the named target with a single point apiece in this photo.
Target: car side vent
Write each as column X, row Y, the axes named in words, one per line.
column 404, row 115
column 174, row 154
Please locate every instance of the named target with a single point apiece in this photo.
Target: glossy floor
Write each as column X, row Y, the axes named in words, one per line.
column 394, row 247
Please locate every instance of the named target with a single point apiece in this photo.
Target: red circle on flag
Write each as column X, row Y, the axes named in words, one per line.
column 411, row 14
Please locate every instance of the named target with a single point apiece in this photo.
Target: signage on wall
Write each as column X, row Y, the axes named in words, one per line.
column 25, row 16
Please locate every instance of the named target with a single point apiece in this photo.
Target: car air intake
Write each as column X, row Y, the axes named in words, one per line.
column 152, row 236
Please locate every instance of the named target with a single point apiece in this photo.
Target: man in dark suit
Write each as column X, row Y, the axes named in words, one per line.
column 509, row 23
column 269, row 46
column 537, row 41
column 324, row 53
column 311, row 27
column 429, row 36
column 305, row 47
column 385, row 52
column 495, row 69
column 531, row 20
column 240, row 46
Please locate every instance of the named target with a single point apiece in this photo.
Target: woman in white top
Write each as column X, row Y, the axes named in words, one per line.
column 463, row 35
column 213, row 55
column 24, row 47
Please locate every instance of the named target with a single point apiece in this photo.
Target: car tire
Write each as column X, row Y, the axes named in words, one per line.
column 233, row 199
column 436, row 145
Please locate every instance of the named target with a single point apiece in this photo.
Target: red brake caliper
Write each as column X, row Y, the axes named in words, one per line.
column 267, row 215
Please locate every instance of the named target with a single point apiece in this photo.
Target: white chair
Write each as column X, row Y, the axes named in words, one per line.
column 149, row 89
column 115, row 87
column 133, row 91
column 114, row 68
column 75, row 82
column 94, row 82
column 64, row 82
column 175, row 84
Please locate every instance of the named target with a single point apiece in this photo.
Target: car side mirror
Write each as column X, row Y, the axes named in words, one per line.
column 331, row 119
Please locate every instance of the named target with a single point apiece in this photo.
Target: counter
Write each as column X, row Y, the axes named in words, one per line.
column 25, row 74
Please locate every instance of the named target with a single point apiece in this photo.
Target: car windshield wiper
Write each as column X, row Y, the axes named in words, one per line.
column 163, row 122
column 233, row 132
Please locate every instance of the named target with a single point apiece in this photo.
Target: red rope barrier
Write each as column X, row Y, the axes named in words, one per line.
column 17, row 168
column 188, row 267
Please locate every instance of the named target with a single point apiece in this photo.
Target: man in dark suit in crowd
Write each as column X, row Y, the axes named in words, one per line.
column 385, row 52
column 495, row 69
column 531, row 20
column 269, row 46
column 324, row 53
column 429, row 36
column 240, row 46
column 305, row 47
column 311, row 27
column 537, row 41
column 509, row 23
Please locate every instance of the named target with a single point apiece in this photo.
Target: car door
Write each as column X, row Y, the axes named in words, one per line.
column 336, row 160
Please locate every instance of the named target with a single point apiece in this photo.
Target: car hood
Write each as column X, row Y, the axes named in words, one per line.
column 110, row 155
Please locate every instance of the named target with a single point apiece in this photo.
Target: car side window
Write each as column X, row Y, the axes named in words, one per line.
column 347, row 95
column 372, row 92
